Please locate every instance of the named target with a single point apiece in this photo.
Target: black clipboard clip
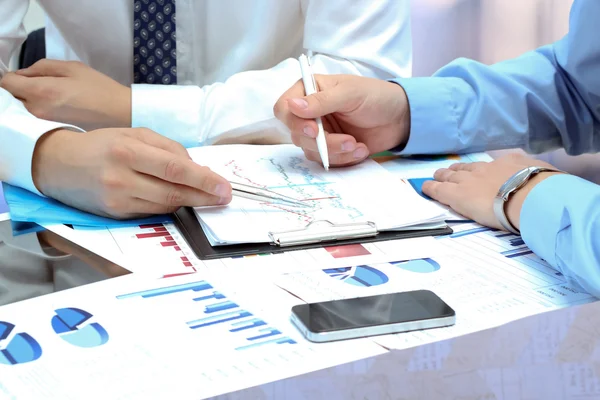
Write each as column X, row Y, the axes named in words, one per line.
column 323, row 231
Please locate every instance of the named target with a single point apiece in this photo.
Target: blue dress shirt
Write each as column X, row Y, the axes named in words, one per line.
column 545, row 99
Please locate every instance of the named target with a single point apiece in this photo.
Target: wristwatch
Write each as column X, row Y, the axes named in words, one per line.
column 509, row 187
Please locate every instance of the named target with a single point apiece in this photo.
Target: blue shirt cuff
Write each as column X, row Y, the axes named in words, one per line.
column 543, row 213
column 434, row 114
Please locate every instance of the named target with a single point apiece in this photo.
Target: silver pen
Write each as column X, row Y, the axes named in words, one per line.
column 264, row 195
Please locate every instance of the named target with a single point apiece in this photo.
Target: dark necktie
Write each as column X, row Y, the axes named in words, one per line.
column 154, row 52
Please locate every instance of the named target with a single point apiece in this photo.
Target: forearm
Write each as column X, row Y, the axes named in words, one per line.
column 560, row 222
column 545, row 99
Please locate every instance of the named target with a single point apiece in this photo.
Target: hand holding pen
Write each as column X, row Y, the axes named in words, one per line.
column 361, row 116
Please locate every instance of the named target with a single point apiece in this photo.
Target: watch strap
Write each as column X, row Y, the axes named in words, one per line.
column 501, row 199
column 500, row 213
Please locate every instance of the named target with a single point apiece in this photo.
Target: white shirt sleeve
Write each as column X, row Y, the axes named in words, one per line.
column 360, row 37
column 19, row 130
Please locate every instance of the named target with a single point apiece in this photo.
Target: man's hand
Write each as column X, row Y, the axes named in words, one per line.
column 71, row 92
column 123, row 173
column 470, row 189
column 361, row 116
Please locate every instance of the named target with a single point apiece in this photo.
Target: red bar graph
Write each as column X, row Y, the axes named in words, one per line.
column 165, row 237
column 151, row 235
column 150, row 226
column 178, row 274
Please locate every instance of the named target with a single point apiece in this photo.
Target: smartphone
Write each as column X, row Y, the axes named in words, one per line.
column 373, row 315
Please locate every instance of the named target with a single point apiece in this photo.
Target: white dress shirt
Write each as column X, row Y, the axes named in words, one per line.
column 234, row 59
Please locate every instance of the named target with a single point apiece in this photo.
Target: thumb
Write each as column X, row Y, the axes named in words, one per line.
column 46, row 67
column 338, row 98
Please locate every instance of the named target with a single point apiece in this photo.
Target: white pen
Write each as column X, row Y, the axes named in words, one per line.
column 310, row 87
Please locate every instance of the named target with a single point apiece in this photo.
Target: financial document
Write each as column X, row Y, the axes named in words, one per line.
column 129, row 338
column 362, row 193
column 484, row 290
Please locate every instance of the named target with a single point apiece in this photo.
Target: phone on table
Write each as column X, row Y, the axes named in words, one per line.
column 373, row 315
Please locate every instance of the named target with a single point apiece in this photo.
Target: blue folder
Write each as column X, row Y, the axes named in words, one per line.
column 27, row 208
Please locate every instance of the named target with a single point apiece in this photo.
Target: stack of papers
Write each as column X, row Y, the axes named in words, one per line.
column 359, row 194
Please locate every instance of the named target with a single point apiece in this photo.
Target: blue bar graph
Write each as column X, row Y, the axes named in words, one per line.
column 470, row 232
column 269, row 332
column 517, row 253
column 231, row 316
column 517, row 242
column 194, row 286
column 250, row 324
column 215, row 295
column 221, row 315
column 222, row 306
column 284, row 340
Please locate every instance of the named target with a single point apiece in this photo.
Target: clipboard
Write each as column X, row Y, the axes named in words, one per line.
column 317, row 234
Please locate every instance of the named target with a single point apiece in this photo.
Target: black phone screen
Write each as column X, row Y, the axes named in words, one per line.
column 369, row 311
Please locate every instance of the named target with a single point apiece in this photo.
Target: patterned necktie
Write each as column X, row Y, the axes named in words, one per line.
column 154, row 52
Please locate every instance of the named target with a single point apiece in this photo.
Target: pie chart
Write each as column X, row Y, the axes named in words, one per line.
column 19, row 349
column 362, row 275
column 73, row 325
column 421, row 266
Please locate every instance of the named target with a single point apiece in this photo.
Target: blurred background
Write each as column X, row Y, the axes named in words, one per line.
column 486, row 30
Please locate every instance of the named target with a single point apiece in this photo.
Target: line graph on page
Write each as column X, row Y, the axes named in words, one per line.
column 292, row 178
column 361, row 193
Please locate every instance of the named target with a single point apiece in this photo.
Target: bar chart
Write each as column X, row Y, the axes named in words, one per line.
column 219, row 316
column 161, row 239
column 507, row 255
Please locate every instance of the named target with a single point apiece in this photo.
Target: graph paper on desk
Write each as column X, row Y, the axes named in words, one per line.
column 362, row 193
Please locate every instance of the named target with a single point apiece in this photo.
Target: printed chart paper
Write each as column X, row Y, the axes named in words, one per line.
column 132, row 338
column 362, row 193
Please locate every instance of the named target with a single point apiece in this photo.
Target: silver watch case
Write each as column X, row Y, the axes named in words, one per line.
column 513, row 184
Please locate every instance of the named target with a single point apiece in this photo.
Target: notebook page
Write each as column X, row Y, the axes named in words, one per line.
column 362, row 193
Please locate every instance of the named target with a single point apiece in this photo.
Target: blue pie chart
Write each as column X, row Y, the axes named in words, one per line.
column 421, row 266
column 362, row 275
column 20, row 349
column 74, row 327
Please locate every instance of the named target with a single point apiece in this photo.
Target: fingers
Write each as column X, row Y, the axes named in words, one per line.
column 281, row 109
column 172, row 196
column 337, row 94
column 336, row 99
column 359, row 154
column 17, row 85
column 336, row 143
column 449, row 175
column 46, row 67
column 172, row 168
column 157, row 140
column 139, row 208
column 445, row 192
